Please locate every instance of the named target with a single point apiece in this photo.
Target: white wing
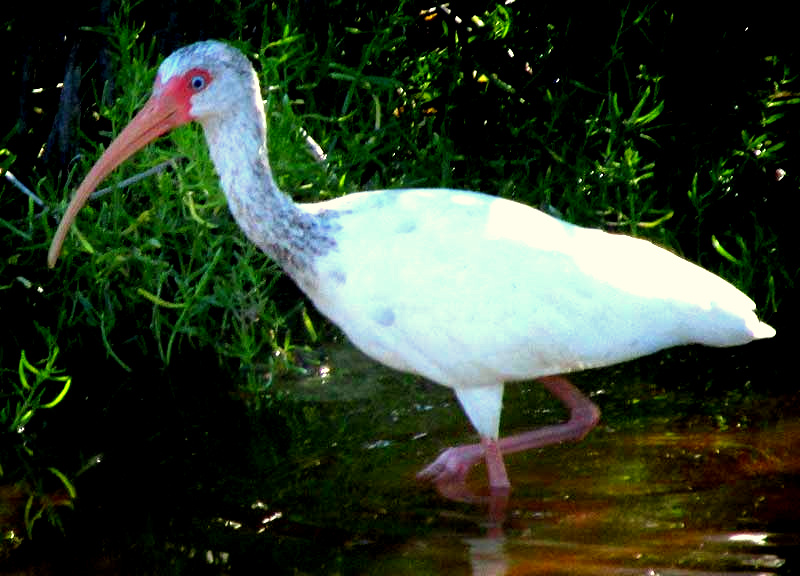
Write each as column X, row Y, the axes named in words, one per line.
column 471, row 290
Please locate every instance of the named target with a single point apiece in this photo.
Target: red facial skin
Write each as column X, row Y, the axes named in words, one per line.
column 168, row 107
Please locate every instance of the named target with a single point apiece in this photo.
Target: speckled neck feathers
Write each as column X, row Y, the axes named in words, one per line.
column 232, row 115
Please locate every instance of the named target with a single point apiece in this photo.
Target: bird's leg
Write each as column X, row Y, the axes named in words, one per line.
column 583, row 416
column 453, row 465
column 498, row 478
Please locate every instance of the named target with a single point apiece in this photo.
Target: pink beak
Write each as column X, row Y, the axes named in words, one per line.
column 160, row 114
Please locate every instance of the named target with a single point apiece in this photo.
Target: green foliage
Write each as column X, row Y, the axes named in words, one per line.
column 38, row 386
column 29, row 393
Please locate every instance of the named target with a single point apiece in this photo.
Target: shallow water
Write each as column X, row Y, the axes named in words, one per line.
column 677, row 492
column 693, row 470
column 653, row 503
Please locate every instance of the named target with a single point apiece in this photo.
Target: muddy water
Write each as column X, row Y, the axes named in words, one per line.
column 695, row 469
column 686, row 477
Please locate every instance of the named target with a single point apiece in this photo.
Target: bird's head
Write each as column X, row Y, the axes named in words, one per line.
column 203, row 81
column 206, row 82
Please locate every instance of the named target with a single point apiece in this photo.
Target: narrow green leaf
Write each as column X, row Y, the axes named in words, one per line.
column 309, row 325
column 158, row 301
column 23, row 365
column 650, row 116
column 67, row 382
column 67, row 484
column 638, row 108
column 722, row 252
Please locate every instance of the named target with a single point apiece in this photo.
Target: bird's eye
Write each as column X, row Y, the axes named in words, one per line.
column 198, row 83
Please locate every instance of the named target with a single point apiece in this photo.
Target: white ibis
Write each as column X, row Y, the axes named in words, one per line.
column 468, row 290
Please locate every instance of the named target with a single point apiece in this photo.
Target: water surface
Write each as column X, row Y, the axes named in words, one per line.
column 693, row 470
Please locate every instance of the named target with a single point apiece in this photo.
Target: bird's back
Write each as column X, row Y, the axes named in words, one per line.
column 468, row 289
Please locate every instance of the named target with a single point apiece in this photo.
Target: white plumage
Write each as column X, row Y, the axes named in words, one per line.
column 473, row 291
column 468, row 290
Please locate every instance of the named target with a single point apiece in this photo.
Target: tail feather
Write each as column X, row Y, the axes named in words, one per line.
column 761, row 330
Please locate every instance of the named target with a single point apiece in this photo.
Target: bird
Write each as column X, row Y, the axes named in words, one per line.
column 469, row 290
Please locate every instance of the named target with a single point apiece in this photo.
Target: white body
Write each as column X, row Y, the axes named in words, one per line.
column 472, row 291
column 466, row 289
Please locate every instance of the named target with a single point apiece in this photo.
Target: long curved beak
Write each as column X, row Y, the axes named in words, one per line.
column 159, row 115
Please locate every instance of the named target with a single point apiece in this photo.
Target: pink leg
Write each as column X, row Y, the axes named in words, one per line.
column 453, row 465
column 498, row 478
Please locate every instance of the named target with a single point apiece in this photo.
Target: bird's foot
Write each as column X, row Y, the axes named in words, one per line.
column 449, row 473
column 453, row 465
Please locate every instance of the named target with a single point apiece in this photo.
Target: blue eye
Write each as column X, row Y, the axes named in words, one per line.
column 198, row 83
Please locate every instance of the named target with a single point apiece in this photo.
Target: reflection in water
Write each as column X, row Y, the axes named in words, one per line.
column 487, row 556
column 676, row 492
column 668, row 518
column 323, row 482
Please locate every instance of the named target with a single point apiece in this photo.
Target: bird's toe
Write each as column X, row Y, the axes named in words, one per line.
column 453, row 465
